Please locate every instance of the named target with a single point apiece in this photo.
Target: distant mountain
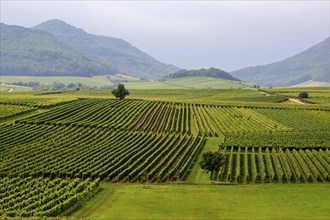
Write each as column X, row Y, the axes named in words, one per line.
column 127, row 58
column 312, row 64
column 211, row 72
column 31, row 52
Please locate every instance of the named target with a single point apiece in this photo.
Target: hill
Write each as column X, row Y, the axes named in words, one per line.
column 188, row 83
column 311, row 83
column 37, row 53
column 311, row 64
column 211, row 72
column 127, row 58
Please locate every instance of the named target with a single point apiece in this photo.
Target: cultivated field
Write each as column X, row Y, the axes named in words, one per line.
column 57, row 146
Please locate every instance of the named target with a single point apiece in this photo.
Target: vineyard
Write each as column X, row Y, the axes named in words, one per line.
column 9, row 111
column 53, row 159
column 69, row 152
column 197, row 119
column 270, row 165
column 43, row 197
column 132, row 115
column 294, row 139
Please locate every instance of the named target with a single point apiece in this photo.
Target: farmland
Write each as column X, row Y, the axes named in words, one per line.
column 77, row 139
column 96, row 81
column 130, row 82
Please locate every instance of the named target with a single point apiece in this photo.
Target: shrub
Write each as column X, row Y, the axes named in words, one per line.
column 303, row 95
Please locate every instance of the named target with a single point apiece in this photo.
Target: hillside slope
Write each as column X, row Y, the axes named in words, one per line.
column 127, row 58
column 311, row 64
column 211, row 72
column 37, row 53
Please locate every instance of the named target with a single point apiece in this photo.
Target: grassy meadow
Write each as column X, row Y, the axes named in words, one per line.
column 208, row 202
column 95, row 81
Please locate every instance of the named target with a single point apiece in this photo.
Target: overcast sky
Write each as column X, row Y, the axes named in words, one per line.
column 191, row 34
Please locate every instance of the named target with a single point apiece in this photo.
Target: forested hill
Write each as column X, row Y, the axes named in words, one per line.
column 311, row 64
column 127, row 58
column 211, row 72
column 31, row 52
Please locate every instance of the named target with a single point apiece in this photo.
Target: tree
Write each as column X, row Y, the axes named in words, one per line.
column 120, row 92
column 303, row 95
column 211, row 161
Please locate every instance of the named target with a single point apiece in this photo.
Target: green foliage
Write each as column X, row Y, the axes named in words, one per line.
column 212, row 72
column 298, row 139
column 211, row 161
column 8, row 111
column 274, row 166
column 120, row 92
column 63, row 151
column 303, row 95
column 42, row 197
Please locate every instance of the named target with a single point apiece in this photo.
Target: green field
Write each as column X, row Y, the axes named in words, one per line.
column 188, row 83
column 208, row 202
column 131, row 83
column 146, row 151
column 13, row 88
column 95, row 81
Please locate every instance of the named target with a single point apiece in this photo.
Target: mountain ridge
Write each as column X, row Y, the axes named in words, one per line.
column 120, row 53
column 311, row 64
column 35, row 52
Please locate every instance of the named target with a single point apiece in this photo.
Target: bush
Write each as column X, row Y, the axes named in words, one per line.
column 303, row 95
column 211, row 161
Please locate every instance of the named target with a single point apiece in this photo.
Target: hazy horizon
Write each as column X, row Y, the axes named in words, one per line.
column 191, row 35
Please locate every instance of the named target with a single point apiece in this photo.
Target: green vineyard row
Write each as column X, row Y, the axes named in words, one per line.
column 8, row 111
column 268, row 165
column 156, row 117
column 70, row 152
column 297, row 139
column 132, row 115
column 42, row 197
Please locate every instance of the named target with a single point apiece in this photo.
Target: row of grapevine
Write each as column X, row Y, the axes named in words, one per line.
column 42, row 197
column 235, row 119
column 132, row 115
column 209, row 120
column 302, row 139
column 298, row 119
column 8, row 111
column 70, row 152
column 253, row 165
column 39, row 100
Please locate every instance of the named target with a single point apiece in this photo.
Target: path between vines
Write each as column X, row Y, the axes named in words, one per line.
column 297, row 101
column 265, row 93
